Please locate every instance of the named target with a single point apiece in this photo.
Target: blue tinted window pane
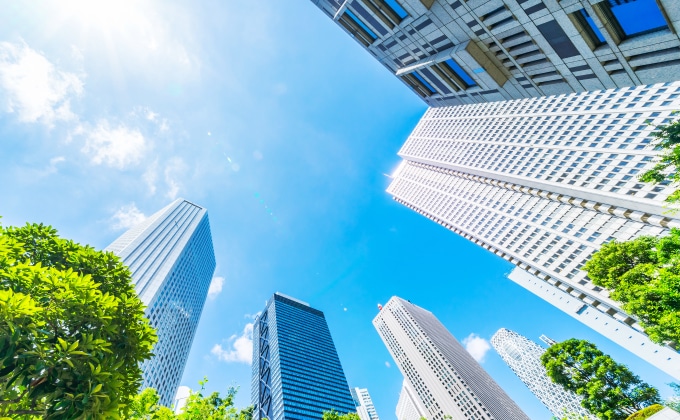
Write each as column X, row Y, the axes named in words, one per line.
column 361, row 23
column 638, row 16
column 423, row 81
column 461, row 73
column 592, row 25
column 397, row 8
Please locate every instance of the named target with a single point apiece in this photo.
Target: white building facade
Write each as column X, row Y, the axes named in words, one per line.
column 543, row 183
column 171, row 258
column 408, row 406
column 364, row 403
column 523, row 356
column 447, row 381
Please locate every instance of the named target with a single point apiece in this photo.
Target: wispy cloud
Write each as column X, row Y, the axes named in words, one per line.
column 175, row 170
column 239, row 349
column 387, row 364
column 476, row 346
column 118, row 147
column 33, row 88
column 215, row 287
column 127, row 217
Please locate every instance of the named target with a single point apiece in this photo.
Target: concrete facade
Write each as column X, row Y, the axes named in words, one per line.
column 408, row 406
column 544, row 183
column 447, row 381
column 512, row 49
column 365, row 408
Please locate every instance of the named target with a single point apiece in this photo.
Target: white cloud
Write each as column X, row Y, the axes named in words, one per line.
column 150, row 177
column 33, row 87
column 118, row 147
column 241, row 350
column 127, row 217
column 476, row 346
column 175, row 169
column 387, row 364
column 52, row 167
column 215, row 287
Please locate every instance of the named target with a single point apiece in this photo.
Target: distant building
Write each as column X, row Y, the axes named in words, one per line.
column 296, row 373
column 523, row 356
column 171, row 257
column 447, row 381
column 183, row 393
column 544, row 183
column 454, row 52
column 408, row 406
column 364, row 403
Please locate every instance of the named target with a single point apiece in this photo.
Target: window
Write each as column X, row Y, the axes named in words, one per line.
column 389, row 11
column 458, row 73
column 357, row 28
column 592, row 34
column 625, row 17
column 419, row 84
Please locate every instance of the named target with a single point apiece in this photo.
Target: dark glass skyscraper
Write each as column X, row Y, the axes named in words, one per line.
column 296, row 371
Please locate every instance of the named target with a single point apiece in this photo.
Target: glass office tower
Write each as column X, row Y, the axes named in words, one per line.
column 171, row 257
column 296, row 371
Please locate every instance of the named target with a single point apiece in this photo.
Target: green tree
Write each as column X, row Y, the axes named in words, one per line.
column 666, row 170
column 198, row 407
column 72, row 329
column 644, row 275
column 674, row 401
column 609, row 389
column 334, row 415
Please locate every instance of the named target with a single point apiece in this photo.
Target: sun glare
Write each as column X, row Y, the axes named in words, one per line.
column 102, row 13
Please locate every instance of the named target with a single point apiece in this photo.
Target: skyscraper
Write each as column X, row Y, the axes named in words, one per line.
column 543, row 183
column 523, row 356
column 171, row 257
column 296, row 371
column 447, row 381
column 408, row 406
column 364, row 403
column 453, row 52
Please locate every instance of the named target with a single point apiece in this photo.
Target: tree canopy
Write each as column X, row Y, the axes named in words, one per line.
column 644, row 275
column 609, row 389
column 72, row 329
column 198, row 407
column 666, row 170
column 334, row 415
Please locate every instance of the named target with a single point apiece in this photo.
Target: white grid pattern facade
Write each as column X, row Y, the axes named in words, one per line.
column 446, row 380
column 523, row 356
column 545, row 182
column 365, row 407
column 408, row 407
column 171, row 258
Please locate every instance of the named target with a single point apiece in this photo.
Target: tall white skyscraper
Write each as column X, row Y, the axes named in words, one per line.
column 543, row 183
column 171, row 257
column 523, row 356
column 365, row 407
column 408, row 406
column 447, row 381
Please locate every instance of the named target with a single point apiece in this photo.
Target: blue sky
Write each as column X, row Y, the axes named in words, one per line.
column 283, row 127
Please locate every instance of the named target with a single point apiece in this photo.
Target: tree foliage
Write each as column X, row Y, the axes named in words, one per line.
column 609, row 389
column 666, row 170
column 644, row 275
column 198, row 407
column 646, row 412
column 72, row 329
column 334, row 415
